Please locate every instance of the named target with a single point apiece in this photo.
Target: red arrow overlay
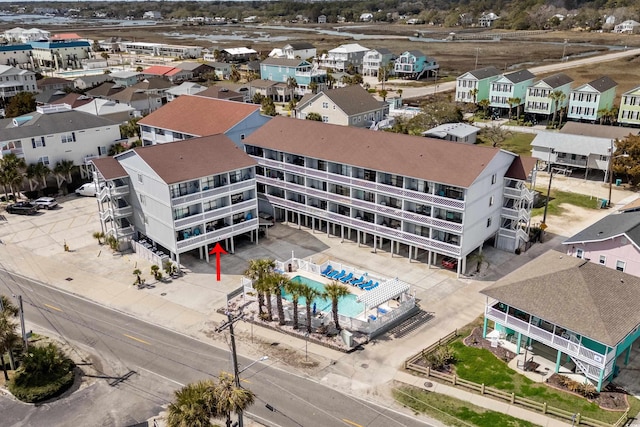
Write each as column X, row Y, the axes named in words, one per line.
column 217, row 250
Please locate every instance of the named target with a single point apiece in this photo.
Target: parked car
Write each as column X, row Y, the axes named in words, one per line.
column 90, row 189
column 22, row 208
column 450, row 263
column 46, row 203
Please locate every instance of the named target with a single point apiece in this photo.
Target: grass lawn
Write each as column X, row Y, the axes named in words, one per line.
column 518, row 143
column 482, row 367
column 452, row 411
column 559, row 197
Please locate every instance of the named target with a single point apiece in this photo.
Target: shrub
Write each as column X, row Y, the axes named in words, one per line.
column 585, row 389
column 45, row 373
column 440, row 358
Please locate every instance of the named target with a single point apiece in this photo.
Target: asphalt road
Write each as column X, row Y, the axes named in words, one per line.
column 163, row 360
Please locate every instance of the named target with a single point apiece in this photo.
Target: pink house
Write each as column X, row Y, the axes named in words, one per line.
column 614, row 242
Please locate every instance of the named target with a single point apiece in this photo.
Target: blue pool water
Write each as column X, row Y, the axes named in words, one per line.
column 347, row 306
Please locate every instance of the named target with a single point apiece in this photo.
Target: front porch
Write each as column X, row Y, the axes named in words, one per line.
column 524, row 331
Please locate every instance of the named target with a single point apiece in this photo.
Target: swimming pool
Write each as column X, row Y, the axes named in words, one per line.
column 347, row 306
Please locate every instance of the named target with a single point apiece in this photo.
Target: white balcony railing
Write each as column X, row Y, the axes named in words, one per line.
column 217, row 235
column 384, row 189
column 388, row 211
column 206, row 194
column 377, row 229
column 573, row 349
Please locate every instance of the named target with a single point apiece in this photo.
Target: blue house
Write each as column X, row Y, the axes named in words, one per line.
column 567, row 306
column 304, row 73
column 414, row 64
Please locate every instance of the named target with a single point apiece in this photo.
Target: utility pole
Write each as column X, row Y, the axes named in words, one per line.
column 24, row 331
column 234, row 356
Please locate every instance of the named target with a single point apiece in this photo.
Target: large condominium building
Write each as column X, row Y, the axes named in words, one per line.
column 421, row 195
column 179, row 197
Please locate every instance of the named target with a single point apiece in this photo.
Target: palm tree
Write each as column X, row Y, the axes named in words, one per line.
column 32, row 175
column 8, row 338
column 137, row 272
column 474, row 92
column 518, row 103
column 63, row 170
column 11, row 173
column 309, row 294
column 555, row 98
column 334, row 291
column 278, row 283
column 231, row 397
column 294, row 288
column 313, row 87
column 511, row 102
column 98, row 235
column 292, row 84
column 484, row 104
column 194, row 406
column 8, row 307
column 40, row 171
column 258, row 271
column 383, row 94
column 234, row 75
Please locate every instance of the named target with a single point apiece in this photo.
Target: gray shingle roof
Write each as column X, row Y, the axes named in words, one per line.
column 609, row 227
column 587, row 298
column 301, row 45
column 602, row 84
column 353, row 99
column 557, row 80
column 597, row 131
column 483, row 73
column 519, row 76
column 47, row 124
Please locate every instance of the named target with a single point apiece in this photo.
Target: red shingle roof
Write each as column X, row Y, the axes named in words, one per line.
column 198, row 115
column 447, row 162
column 109, row 168
column 158, row 70
column 194, row 158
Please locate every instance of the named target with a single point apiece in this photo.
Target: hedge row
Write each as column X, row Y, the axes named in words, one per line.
column 40, row 393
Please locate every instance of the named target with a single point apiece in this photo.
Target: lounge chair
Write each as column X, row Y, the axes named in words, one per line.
column 372, row 317
column 366, row 285
column 357, row 282
column 369, row 287
column 338, row 276
column 382, row 310
column 347, row 278
column 326, row 271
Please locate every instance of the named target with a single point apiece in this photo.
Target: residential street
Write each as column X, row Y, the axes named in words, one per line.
column 166, row 360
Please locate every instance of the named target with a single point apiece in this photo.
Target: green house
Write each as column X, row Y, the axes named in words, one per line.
column 629, row 112
column 575, row 308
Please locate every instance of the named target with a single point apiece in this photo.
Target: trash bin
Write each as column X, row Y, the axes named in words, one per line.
column 618, row 182
column 289, row 268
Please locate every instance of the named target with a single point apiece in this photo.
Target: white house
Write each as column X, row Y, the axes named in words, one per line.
column 366, row 17
column 55, row 132
column 152, row 14
column 15, row 80
column 20, row 35
column 374, row 60
column 629, row 26
column 391, row 190
column 61, row 54
column 299, row 50
column 487, row 19
column 186, row 88
column 339, row 58
column 174, row 198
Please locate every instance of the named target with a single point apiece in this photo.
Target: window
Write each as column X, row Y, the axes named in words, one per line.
column 44, row 160
column 143, row 200
column 70, row 137
column 620, row 265
column 140, row 179
column 488, row 222
column 602, row 260
column 242, row 136
column 579, row 253
column 491, row 201
column 325, row 119
column 325, row 105
column 38, row 142
column 493, row 179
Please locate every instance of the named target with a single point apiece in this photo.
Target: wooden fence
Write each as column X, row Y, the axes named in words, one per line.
column 512, row 398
